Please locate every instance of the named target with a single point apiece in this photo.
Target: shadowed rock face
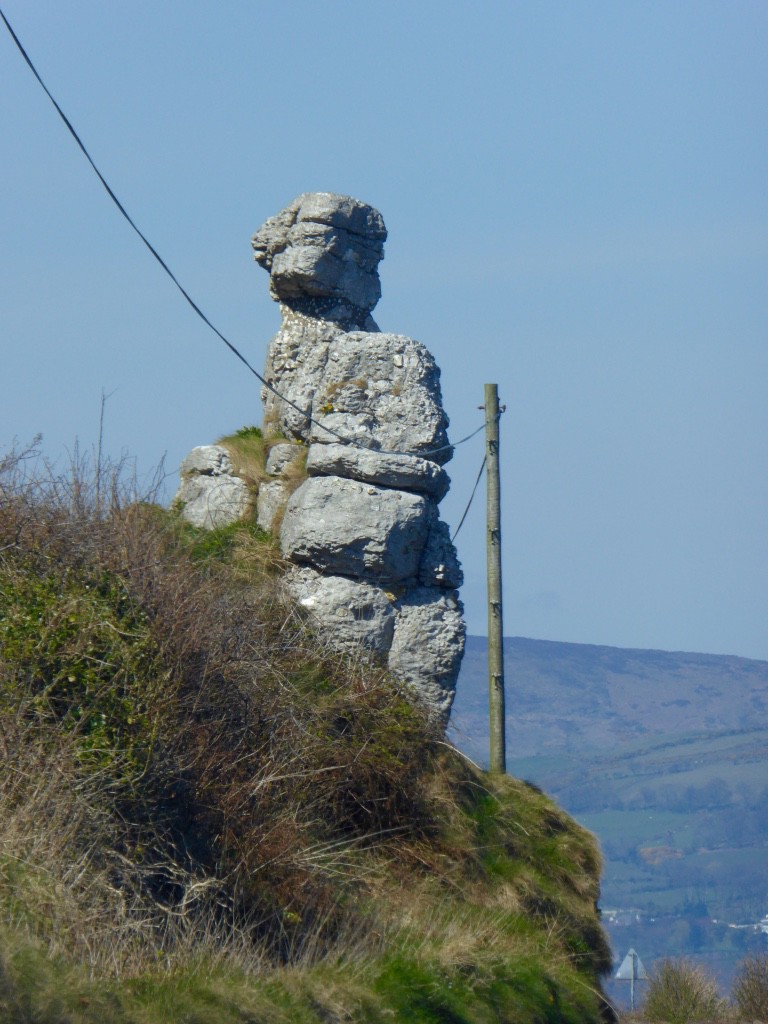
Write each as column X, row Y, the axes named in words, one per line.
column 373, row 562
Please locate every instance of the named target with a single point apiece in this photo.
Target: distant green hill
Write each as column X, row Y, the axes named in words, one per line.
column 570, row 698
column 664, row 755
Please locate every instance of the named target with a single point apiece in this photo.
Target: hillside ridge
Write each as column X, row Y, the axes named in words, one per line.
column 566, row 697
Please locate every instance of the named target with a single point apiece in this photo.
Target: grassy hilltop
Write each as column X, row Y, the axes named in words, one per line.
column 208, row 815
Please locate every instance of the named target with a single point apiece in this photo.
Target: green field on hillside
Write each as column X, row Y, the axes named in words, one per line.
column 675, row 820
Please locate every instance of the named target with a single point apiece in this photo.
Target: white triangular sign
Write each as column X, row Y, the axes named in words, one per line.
column 632, row 968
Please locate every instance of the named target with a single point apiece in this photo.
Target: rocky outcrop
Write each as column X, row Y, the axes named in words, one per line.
column 373, row 562
column 428, row 628
column 343, row 527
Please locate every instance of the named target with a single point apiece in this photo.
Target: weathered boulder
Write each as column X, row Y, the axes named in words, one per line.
column 207, row 460
column 281, row 456
column 428, row 645
column 404, row 472
column 323, row 245
column 356, row 615
column 343, row 527
column 372, row 562
column 369, row 404
column 381, row 391
column 270, row 503
column 210, row 495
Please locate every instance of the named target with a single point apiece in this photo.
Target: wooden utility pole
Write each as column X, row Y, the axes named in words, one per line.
column 498, row 744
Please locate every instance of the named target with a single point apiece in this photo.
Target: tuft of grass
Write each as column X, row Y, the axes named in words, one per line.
column 241, row 545
column 248, row 450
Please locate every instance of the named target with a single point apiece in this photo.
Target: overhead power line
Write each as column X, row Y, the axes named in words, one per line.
column 471, row 499
column 233, row 348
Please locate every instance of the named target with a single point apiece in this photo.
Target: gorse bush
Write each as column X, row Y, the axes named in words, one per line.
column 750, row 989
column 681, row 992
column 192, row 776
column 83, row 657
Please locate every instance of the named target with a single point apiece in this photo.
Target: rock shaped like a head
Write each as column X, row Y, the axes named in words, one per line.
column 323, row 246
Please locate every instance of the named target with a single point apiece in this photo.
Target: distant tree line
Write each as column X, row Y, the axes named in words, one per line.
column 593, row 795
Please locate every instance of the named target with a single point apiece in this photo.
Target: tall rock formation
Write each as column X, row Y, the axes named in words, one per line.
column 371, row 559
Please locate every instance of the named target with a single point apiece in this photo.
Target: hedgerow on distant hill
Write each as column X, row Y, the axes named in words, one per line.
column 207, row 814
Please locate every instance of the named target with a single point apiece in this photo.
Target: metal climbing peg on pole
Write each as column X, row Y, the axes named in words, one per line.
column 498, row 745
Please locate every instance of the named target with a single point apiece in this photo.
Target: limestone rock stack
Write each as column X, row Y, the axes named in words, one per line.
column 371, row 559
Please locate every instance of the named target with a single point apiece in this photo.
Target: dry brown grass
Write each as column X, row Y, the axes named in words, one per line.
column 247, row 753
column 193, row 777
column 249, row 449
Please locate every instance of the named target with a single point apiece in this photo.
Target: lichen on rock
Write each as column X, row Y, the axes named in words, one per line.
column 210, row 494
column 373, row 562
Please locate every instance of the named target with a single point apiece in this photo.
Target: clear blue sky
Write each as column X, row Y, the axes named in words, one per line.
column 576, row 195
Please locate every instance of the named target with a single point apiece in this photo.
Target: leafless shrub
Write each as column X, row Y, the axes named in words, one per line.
column 681, row 992
column 750, row 989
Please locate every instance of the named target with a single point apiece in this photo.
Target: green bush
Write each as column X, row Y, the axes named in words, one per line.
column 750, row 989
column 83, row 657
column 681, row 992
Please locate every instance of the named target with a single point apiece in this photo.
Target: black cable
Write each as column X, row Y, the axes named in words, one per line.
column 471, row 499
column 130, row 220
column 348, row 441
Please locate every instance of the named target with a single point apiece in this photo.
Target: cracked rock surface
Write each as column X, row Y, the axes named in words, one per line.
column 372, row 561
column 343, row 527
column 210, row 495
